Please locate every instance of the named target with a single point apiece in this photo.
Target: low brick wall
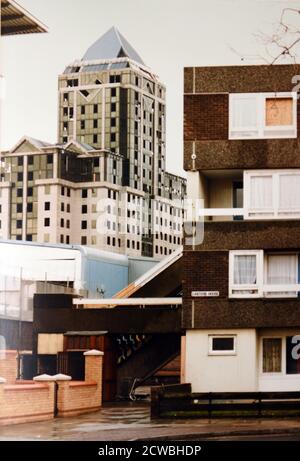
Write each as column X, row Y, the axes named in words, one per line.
column 8, row 366
column 79, row 397
column 22, row 403
column 75, row 398
column 28, row 401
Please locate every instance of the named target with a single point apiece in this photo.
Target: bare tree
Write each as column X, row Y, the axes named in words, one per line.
column 283, row 43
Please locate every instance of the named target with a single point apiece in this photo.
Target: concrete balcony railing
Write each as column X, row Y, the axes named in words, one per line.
column 214, row 212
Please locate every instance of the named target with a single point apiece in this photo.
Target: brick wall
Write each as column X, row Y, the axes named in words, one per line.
column 205, row 271
column 8, row 366
column 26, row 403
column 35, row 401
column 206, row 117
column 76, row 398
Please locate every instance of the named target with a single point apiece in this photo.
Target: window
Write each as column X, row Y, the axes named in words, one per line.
column 83, row 240
column 245, row 273
column 50, row 159
column 272, row 194
column 62, row 223
column 68, row 240
column 20, row 161
column 95, row 139
column 20, row 208
column 47, row 206
column 113, row 122
column 281, row 269
column 113, row 92
column 84, row 193
column 95, row 123
column 29, row 207
column 255, row 274
column 68, row 208
column 113, row 137
column 272, row 355
column 82, row 110
column 82, row 124
column 113, row 107
column 262, row 115
column 19, row 224
column 20, row 176
column 83, row 225
column 222, row 345
column 84, row 209
column 47, row 222
column 30, row 192
column 95, row 109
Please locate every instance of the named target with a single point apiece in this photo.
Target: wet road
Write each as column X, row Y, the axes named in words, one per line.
column 131, row 421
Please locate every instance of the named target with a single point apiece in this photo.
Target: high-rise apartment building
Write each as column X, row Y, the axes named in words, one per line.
column 104, row 184
column 241, row 307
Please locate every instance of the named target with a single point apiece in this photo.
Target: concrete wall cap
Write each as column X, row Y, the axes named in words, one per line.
column 93, row 352
column 2, row 380
column 43, row 378
column 61, row 377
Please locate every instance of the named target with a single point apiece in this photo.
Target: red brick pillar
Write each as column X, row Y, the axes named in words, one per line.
column 94, row 368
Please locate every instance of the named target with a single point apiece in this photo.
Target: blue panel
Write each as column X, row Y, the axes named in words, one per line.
column 107, row 276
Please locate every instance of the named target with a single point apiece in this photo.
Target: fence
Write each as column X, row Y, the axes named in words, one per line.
column 179, row 401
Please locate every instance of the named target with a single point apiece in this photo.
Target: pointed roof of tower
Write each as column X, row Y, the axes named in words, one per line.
column 112, row 45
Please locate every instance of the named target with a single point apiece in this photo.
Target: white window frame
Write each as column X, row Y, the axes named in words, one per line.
column 273, row 212
column 222, row 352
column 263, row 131
column 269, row 294
column 257, row 287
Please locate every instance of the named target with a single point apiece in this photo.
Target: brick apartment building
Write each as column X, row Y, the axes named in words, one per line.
column 241, row 307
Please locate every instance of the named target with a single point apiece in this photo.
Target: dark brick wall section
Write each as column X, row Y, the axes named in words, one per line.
column 246, row 154
column 206, row 117
column 242, row 313
column 241, row 79
column 251, row 235
column 205, row 271
column 188, row 80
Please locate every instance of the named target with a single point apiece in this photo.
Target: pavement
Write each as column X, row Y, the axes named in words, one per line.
column 131, row 421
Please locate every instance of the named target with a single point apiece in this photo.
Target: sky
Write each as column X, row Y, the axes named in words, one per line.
column 168, row 34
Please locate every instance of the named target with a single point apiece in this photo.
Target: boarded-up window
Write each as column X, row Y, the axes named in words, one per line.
column 279, row 111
